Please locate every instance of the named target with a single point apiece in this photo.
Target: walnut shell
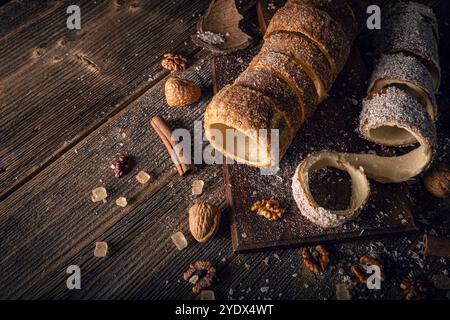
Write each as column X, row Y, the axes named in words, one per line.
column 437, row 182
column 204, row 221
column 181, row 92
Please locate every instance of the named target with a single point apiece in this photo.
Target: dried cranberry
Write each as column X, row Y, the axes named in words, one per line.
column 122, row 166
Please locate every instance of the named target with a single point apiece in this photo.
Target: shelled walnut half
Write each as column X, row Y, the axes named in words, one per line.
column 201, row 274
column 413, row 289
column 269, row 209
column 364, row 263
column 174, row 62
column 317, row 261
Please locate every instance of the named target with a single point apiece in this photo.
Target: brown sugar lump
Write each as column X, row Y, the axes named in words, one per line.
column 409, row 73
column 197, row 187
column 410, row 34
column 304, row 53
column 143, row 177
column 99, row 194
column 101, row 249
column 122, row 202
column 318, row 26
column 179, row 240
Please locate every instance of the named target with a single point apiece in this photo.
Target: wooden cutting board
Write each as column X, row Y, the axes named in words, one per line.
column 334, row 127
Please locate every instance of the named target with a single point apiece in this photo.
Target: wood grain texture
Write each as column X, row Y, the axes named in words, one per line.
column 71, row 87
column 54, row 218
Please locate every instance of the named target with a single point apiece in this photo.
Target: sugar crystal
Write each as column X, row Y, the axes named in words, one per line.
column 197, row 187
column 122, row 202
column 143, row 177
column 99, row 194
column 179, row 240
column 342, row 292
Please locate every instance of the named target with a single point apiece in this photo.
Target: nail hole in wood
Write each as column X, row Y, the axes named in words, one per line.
column 87, row 61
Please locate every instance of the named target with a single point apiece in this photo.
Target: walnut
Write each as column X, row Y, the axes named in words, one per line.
column 413, row 289
column 322, row 255
column 174, row 62
column 360, row 275
column 181, row 92
column 204, row 220
column 201, row 274
column 360, row 271
column 269, row 209
column 437, row 181
column 366, row 261
column 318, row 260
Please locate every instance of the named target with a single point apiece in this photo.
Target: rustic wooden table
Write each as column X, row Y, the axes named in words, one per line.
column 72, row 101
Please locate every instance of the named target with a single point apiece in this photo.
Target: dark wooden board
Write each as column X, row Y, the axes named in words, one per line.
column 332, row 127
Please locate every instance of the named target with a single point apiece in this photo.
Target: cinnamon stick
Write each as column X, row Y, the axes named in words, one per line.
column 163, row 130
column 436, row 246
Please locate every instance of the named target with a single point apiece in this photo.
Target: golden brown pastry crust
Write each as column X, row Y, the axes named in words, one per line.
column 340, row 11
column 247, row 111
column 305, row 49
column 318, row 26
column 274, row 87
column 293, row 74
column 305, row 53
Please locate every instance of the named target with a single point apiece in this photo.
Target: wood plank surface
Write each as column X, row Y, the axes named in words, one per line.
column 60, row 217
column 50, row 222
column 71, row 87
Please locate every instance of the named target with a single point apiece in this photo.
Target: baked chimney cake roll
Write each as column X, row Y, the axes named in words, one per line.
column 306, row 45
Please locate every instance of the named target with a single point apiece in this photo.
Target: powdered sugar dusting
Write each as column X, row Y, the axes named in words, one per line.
column 409, row 33
column 403, row 68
